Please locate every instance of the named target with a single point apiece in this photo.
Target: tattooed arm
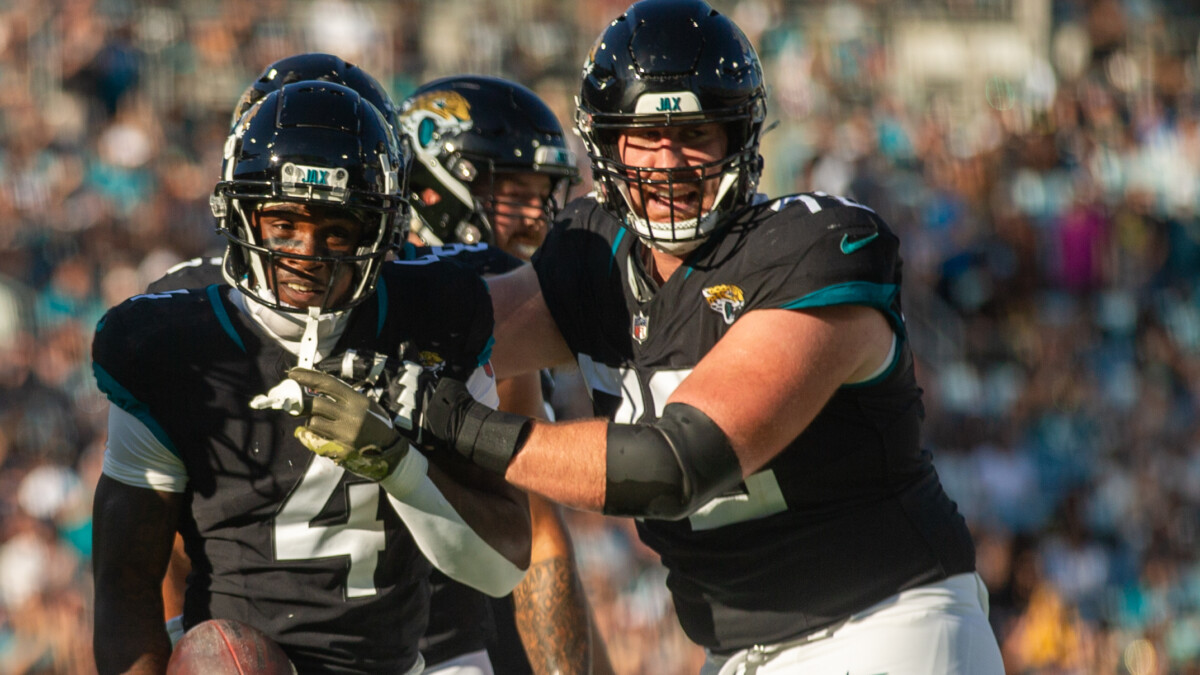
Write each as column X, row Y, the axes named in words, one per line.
column 551, row 611
column 551, row 608
column 133, row 531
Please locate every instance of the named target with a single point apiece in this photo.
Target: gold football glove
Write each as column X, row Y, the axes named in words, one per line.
column 348, row 427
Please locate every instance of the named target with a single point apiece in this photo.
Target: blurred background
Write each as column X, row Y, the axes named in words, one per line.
column 1040, row 160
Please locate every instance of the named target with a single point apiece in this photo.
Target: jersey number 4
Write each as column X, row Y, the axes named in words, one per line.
column 361, row 537
column 762, row 496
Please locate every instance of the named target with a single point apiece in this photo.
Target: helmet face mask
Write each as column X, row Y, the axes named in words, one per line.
column 471, row 134
column 323, row 147
column 672, row 65
column 519, row 207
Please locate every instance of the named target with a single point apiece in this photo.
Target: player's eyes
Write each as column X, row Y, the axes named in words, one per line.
column 340, row 237
column 647, row 137
column 337, row 240
column 278, row 226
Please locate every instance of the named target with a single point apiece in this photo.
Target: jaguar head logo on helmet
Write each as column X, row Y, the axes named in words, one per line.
column 492, row 163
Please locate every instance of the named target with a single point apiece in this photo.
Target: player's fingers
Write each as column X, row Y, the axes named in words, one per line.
column 322, row 383
column 325, row 410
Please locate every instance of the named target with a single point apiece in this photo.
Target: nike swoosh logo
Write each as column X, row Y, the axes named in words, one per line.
column 849, row 247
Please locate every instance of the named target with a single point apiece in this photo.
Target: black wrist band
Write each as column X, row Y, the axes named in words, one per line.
column 491, row 438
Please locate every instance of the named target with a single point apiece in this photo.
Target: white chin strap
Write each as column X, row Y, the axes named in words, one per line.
column 674, row 247
column 309, row 336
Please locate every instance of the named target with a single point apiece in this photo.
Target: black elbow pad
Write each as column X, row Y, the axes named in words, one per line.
column 670, row 468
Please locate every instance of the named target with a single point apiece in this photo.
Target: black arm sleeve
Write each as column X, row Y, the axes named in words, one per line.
column 670, row 468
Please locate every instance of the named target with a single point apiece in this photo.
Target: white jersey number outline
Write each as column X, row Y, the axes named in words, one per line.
column 763, row 496
column 361, row 537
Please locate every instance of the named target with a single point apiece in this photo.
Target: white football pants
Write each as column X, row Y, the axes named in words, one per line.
column 936, row 629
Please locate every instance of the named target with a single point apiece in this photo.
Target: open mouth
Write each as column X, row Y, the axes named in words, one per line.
column 298, row 291
column 683, row 204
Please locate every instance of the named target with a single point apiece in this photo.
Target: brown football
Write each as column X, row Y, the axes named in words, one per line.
column 220, row 646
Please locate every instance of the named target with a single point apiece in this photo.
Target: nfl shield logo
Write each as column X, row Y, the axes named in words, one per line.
column 641, row 327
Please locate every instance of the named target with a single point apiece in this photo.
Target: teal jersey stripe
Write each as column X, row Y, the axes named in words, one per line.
column 381, row 298
column 486, row 354
column 223, row 316
column 126, row 401
column 612, row 260
column 879, row 296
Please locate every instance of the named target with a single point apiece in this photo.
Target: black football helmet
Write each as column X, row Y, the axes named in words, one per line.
column 321, row 67
column 320, row 144
column 668, row 63
column 467, row 129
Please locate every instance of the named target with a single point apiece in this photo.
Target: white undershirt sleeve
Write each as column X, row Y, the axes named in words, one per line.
column 134, row 456
column 441, row 533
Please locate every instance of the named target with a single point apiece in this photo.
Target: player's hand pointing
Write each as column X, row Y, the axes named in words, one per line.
column 348, row 427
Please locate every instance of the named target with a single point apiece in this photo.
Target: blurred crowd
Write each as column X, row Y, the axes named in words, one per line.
column 1052, row 279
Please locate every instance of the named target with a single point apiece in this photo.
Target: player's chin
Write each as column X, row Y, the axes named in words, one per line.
column 523, row 247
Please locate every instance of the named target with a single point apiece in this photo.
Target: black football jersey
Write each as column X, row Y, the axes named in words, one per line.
column 278, row 537
column 483, row 259
column 460, row 620
column 852, row 511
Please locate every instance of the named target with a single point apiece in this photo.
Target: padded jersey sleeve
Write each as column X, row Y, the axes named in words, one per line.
column 134, row 456
column 139, row 451
column 473, row 324
column 123, row 360
column 579, row 276
column 817, row 251
column 442, row 306
column 194, row 273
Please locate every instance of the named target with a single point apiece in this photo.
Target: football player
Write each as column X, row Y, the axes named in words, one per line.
column 522, row 175
column 492, row 163
column 327, row 553
column 202, row 272
column 751, row 358
column 492, row 166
